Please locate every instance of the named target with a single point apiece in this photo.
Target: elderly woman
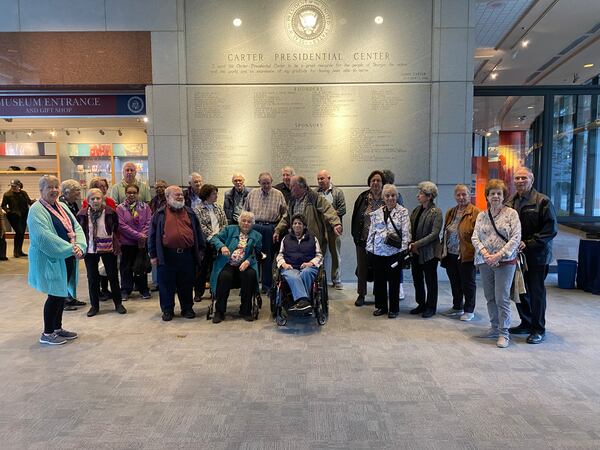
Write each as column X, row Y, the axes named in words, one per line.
column 496, row 239
column 367, row 202
column 134, row 224
column 237, row 246
column 458, row 253
column 100, row 224
column 212, row 219
column 71, row 195
column 389, row 236
column 299, row 260
column 426, row 224
column 56, row 243
column 102, row 184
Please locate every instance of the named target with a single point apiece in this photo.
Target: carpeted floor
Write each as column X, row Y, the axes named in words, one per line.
column 359, row 382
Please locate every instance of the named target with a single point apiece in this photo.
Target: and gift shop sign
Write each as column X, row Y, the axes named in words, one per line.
column 72, row 105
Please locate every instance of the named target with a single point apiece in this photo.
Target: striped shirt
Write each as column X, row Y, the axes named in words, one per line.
column 269, row 207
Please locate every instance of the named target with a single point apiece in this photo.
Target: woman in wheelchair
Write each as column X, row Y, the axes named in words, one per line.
column 237, row 246
column 299, row 260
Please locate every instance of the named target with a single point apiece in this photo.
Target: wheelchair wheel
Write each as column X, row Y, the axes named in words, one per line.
column 280, row 320
column 321, row 318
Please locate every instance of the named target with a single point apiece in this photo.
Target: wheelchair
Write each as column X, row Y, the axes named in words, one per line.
column 281, row 299
column 256, row 297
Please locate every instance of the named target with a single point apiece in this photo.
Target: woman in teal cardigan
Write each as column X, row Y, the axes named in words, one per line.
column 236, row 247
column 56, row 243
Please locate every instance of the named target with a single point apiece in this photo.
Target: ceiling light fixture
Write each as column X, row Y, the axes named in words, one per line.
column 120, row 132
column 145, row 120
column 67, row 132
column 378, row 20
column 53, row 133
column 237, row 22
column 30, row 133
column 525, row 43
column 588, row 66
column 494, row 75
column 530, row 107
column 101, row 132
column 78, row 131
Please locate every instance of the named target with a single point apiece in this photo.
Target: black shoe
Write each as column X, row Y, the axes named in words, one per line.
column 23, row 254
column 428, row 313
column 93, row 311
column 360, row 300
column 188, row 314
column 519, row 330
column 218, row 317
column 70, row 308
column 167, row 316
column 16, row 255
column 124, row 296
column 74, row 302
column 197, row 298
column 120, row 309
column 248, row 317
column 392, row 315
column 3, row 258
column 536, row 338
column 104, row 296
column 380, row 312
column 418, row 310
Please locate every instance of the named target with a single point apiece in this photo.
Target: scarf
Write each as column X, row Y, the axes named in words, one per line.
column 94, row 217
column 60, row 213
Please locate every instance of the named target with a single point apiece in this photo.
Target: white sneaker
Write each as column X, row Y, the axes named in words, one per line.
column 502, row 342
column 467, row 317
column 453, row 312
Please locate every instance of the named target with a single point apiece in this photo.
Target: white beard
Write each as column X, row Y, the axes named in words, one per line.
column 176, row 204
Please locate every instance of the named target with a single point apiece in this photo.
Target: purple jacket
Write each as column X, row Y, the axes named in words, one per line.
column 130, row 229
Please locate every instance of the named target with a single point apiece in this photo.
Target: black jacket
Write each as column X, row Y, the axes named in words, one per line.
column 16, row 203
column 538, row 226
column 228, row 205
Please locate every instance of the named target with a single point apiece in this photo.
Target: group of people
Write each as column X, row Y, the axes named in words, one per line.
column 190, row 243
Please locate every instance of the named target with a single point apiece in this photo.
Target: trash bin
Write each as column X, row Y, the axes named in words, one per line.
column 567, row 271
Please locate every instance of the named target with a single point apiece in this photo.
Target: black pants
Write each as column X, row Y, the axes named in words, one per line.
column 128, row 256
column 386, row 278
column 176, row 276
column 427, row 270
column 231, row 276
column 19, row 224
column 110, row 264
column 532, row 308
column 266, row 266
column 54, row 306
column 462, row 282
column 2, row 247
column 203, row 272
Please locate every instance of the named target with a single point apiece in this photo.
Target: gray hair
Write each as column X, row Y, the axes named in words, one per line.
column 390, row 188
column 428, row 188
column 69, row 185
column 526, row 169
column 237, row 174
column 94, row 191
column 265, row 174
column 462, row 186
column 47, row 180
column 301, row 181
column 171, row 189
column 127, row 164
column 249, row 214
column 289, row 169
column 195, row 174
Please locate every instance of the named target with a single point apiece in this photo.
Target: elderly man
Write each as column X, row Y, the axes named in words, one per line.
column 268, row 206
column 117, row 192
column 317, row 211
column 284, row 187
column 192, row 193
column 176, row 245
column 233, row 204
column 538, row 229
column 335, row 196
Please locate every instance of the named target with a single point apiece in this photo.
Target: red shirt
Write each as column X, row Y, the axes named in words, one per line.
column 178, row 229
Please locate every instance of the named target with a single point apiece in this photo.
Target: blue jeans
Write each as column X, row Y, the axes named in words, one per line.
column 497, row 282
column 300, row 281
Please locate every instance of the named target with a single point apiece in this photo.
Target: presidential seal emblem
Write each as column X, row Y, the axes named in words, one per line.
column 135, row 104
column 308, row 22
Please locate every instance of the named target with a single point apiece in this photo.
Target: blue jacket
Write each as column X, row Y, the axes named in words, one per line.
column 157, row 229
column 230, row 237
column 48, row 251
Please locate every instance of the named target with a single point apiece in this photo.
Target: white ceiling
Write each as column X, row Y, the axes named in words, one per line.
column 550, row 26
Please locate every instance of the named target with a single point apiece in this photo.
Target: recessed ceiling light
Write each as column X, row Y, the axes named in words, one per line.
column 525, row 43
column 237, row 22
column 494, row 75
column 145, row 120
column 587, row 66
column 530, row 107
column 378, row 20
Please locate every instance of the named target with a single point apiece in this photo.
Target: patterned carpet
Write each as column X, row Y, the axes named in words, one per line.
column 359, row 382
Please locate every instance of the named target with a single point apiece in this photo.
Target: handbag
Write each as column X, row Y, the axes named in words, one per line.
column 142, row 264
column 392, row 239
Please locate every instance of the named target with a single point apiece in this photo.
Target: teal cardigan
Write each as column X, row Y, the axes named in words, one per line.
column 230, row 237
column 48, row 251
